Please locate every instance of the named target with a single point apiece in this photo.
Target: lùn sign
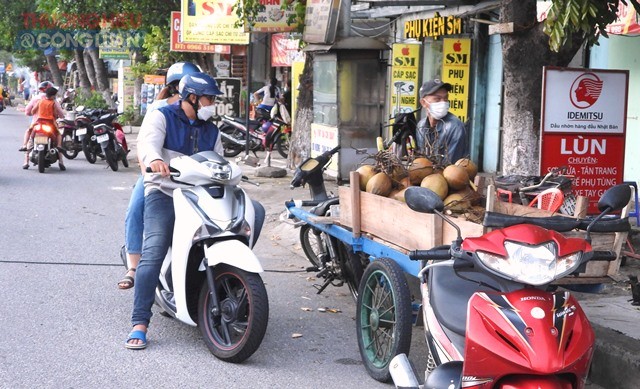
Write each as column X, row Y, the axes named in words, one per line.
column 434, row 27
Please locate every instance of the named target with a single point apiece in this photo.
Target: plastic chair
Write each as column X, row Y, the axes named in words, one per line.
column 550, row 199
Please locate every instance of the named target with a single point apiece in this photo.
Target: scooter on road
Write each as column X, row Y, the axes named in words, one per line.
column 210, row 276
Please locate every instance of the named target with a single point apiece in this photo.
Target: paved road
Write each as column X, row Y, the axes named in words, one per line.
column 63, row 321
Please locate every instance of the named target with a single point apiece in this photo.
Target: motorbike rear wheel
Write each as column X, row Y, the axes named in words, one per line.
column 112, row 160
column 67, row 151
column 89, row 154
column 236, row 332
column 383, row 317
column 42, row 160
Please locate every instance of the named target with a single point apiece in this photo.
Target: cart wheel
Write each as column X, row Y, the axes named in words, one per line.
column 383, row 318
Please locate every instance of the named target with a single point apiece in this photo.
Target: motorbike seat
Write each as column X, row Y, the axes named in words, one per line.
column 322, row 208
column 556, row 223
column 449, row 295
column 67, row 122
column 252, row 123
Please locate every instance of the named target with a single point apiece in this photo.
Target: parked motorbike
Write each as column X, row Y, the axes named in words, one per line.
column 210, row 276
column 44, row 152
column 330, row 258
column 85, row 121
column 492, row 317
column 105, row 130
column 233, row 134
column 271, row 130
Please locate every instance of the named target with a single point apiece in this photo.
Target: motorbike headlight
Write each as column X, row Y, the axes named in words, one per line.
column 219, row 172
column 531, row 265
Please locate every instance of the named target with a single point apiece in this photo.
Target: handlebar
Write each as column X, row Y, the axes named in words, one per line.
column 302, row 203
column 606, row 256
column 441, row 252
column 172, row 171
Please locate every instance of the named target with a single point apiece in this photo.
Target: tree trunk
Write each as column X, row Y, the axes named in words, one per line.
column 300, row 147
column 101, row 77
column 525, row 53
column 85, row 85
column 55, row 70
column 91, row 72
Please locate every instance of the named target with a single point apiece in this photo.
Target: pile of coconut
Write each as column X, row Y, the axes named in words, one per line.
column 453, row 183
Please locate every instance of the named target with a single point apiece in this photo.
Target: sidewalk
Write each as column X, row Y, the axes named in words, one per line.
column 616, row 362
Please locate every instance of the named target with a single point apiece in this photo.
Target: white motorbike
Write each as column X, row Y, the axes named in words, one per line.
column 210, row 275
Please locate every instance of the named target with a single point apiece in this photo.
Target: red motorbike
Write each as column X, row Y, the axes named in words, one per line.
column 492, row 317
column 44, row 152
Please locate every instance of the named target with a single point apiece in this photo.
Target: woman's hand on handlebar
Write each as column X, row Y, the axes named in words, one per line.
column 159, row 166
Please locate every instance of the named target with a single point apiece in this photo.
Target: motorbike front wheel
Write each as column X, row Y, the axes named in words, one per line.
column 89, row 154
column 312, row 245
column 282, row 144
column 112, row 159
column 383, row 317
column 234, row 333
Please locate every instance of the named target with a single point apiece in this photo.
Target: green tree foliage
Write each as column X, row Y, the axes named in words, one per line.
column 587, row 18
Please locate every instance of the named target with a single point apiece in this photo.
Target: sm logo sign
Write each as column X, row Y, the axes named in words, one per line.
column 456, row 59
column 405, row 61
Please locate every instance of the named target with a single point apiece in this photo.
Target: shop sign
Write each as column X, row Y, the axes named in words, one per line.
column 154, row 79
column 321, row 21
column 405, row 65
column 456, row 66
column 273, row 18
column 584, row 126
column 129, row 84
column 229, row 102
column 434, row 27
column 324, row 138
column 207, row 21
column 178, row 45
column 284, row 50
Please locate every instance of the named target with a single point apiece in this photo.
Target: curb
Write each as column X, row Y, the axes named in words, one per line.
column 615, row 359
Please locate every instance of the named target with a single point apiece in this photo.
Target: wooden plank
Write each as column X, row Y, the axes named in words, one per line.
column 354, row 178
column 582, row 280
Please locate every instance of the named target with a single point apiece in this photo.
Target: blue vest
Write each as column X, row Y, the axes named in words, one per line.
column 184, row 137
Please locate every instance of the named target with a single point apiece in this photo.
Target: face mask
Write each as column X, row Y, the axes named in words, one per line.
column 205, row 113
column 439, row 110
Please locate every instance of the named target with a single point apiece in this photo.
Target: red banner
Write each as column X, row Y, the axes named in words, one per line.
column 627, row 22
column 178, row 45
column 284, row 50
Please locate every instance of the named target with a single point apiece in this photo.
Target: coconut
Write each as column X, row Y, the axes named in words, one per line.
column 380, row 184
column 437, row 183
column 366, row 172
column 457, row 202
column 403, row 183
column 419, row 169
column 469, row 165
column 456, row 176
column 398, row 195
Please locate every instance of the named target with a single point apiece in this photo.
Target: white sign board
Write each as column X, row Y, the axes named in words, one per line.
column 584, row 101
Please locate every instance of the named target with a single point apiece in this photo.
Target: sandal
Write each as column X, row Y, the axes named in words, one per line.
column 25, row 166
column 127, row 281
column 23, row 148
column 137, row 335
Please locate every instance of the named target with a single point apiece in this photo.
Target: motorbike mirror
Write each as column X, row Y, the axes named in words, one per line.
column 423, row 200
column 615, row 198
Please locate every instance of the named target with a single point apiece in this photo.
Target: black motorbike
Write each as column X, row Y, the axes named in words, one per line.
column 233, row 133
column 332, row 260
column 104, row 130
column 85, row 121
column 44, row 152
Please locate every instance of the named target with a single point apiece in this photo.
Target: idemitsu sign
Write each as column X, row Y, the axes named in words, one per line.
column 584, row 114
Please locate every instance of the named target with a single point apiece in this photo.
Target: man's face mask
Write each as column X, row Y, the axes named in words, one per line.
column 439, row 110
column 207, row 111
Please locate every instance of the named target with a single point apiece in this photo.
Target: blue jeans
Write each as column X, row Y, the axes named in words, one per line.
column 134, row 219
column 159, row 217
